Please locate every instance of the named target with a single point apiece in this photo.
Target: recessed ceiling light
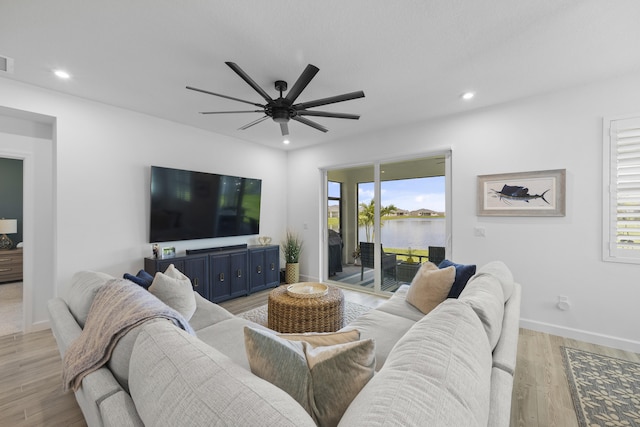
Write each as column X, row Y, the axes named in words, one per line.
column 62, row 74
column 468, row 95
column 285, row 142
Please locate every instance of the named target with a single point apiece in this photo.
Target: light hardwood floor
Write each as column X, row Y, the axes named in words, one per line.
column 31, row 387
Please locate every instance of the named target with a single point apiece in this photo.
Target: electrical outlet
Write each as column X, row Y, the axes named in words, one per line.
column 479, row 231
column 563, row 303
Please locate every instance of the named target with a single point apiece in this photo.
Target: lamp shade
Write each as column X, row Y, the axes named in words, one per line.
column 8, row 226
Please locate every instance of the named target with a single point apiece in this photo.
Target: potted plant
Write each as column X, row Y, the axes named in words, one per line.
column 356, row 256
column 410, row 259
column 292, row 247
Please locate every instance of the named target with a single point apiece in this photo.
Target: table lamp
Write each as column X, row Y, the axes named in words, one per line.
column 7, row 226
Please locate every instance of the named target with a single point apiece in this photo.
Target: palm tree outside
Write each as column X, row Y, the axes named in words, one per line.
column 366, row 217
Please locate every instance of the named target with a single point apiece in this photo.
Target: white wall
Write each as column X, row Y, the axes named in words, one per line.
column 101, row 166
column 548, row 256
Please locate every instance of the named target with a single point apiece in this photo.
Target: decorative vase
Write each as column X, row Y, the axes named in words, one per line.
column 292, row 273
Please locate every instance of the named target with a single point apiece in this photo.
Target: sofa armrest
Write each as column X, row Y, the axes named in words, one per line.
column 96, row 387
column 118, row 410
column 506, row 351
column 64, row 327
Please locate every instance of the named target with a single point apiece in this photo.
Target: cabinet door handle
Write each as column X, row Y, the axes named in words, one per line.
column 221, row 277
column 273, row 266
column 195, row 282
column 239, row 273
column 6, row 259
column 5, row 269
column 259, row 269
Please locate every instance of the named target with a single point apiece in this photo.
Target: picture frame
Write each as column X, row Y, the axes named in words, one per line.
column 537, row 193
column 169, row 252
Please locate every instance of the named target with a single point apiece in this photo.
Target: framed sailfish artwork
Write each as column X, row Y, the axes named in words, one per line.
column 539, row 193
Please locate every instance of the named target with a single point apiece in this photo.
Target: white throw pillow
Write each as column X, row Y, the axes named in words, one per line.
column 430, row 286
column 174, row 289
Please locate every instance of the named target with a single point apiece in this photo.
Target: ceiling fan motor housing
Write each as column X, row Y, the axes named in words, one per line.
column 280, row 109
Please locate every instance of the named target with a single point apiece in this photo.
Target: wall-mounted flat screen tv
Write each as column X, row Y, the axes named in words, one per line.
column 188, row 205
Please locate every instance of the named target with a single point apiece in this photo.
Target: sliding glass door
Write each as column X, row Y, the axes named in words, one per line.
column 393, row 217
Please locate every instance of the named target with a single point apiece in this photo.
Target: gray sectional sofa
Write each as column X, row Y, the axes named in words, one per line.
column 452, row 367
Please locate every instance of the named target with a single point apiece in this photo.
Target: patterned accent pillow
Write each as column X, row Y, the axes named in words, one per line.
column 324, row 380
column 430, row 286
column 174, row 289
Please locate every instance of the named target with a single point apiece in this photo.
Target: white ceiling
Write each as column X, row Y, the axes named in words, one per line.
column 412, row 58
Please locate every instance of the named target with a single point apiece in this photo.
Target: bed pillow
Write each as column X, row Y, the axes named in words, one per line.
column 430, row 286
column 324, row 380
column 463, row 274
column 175, row 289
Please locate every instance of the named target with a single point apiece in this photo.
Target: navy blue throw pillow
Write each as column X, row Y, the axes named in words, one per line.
column 463, row 274
column 143, row 278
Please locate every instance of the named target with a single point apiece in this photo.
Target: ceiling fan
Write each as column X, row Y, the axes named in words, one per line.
column 283, row 109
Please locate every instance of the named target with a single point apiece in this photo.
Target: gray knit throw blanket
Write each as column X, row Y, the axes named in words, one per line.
column 118, row 307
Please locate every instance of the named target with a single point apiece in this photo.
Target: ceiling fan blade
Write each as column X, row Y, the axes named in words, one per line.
column 302, row 82
column 309, row 123
column 224, row 96
column 284, row 128
column 328, row 114
column 255, row 122
column 330, row 100
column 249, row 80
column 231, row 112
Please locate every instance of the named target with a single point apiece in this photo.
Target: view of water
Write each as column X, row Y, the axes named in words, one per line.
column 417, row 233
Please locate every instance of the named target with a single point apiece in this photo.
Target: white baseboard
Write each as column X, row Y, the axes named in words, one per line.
column 579, row 334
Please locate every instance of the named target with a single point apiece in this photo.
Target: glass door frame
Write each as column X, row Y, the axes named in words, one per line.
column 376, row 164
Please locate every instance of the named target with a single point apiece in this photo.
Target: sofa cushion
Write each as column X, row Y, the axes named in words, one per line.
column 177, row 380
column 484, row 294
column 207, row 313
column 81, row 292
column 324, row 380
column 501, row 272
column 463, row 274
column 384, row 328
column 399, row 306
column 174, row 289
column 438, row 374
column 227, row 337
column 121, row 355
column 430, row 286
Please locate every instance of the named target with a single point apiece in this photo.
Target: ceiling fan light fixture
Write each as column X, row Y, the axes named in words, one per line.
column 286, row 142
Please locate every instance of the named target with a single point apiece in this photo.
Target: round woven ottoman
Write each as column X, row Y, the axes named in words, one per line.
column 289, row 314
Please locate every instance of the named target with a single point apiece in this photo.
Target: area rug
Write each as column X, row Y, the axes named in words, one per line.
column 351, row 312
column 605, row 390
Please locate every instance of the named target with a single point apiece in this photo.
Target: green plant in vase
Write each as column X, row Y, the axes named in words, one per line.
column 291, row 248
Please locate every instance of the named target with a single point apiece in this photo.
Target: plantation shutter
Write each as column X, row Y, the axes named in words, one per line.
column 624, row 191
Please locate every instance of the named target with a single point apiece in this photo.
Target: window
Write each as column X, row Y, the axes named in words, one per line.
column 621, row 204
